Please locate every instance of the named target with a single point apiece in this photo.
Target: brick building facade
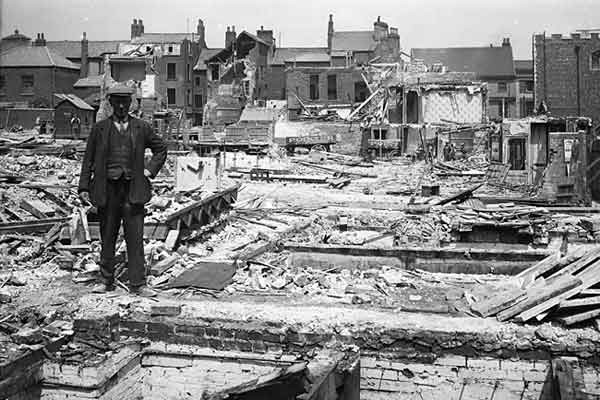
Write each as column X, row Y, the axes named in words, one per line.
column 567, row 74
column 32, row 74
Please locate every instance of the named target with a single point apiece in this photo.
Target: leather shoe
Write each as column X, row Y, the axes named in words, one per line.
column 102, row 288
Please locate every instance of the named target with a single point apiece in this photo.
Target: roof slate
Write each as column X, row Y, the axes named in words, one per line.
column 89, row 81
column 76, row 101
column 290, row 54
column 524, row 65
column 34, row 56
column 353, row 40
column 163, row 38
column 487, row 62
column 205, row 54
column 96, row 48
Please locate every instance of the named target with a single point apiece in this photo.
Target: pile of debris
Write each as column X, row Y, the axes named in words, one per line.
column 562, row 288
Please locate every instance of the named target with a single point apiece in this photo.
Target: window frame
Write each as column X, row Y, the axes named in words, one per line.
column 332, row 92
column 502, row 87
column 174, row 76
column 513, row 143
column 174, row 91
column 595, row 54
column 313, row 84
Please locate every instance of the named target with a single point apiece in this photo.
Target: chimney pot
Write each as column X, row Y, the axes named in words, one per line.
column 227, row 29
column 135, row 21
column 232, row 28
column 42, row 35
column 84, row 36
column 379, row 18
column 262, row 28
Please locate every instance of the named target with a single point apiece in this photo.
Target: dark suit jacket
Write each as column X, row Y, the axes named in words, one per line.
column 93, row 177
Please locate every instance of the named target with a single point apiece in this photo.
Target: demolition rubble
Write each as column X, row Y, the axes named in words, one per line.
column 409, row 208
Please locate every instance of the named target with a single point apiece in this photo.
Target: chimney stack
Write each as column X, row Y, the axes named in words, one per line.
column 39, row 41
column 135, row 29
column 266, row 35
column 140, row 27
column 230, row 36
column 201, row 31
column 506, row 42
column 84, row 70
column 330, row 33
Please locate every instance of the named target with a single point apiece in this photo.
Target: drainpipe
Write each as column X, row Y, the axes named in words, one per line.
column 577, row 48
column 533, row 59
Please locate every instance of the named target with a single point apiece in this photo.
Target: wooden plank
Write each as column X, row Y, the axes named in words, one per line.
column 37, row 208
column 61, row 206
column 53, row 234
column 12, row 213
column 590, row 292
column 584, row 316
column 540, row 295
column 171, row 240
column 37, row 225
column 587, row 301
column 589, row 278
column 499, row 302
column 465, row 194
column 162, row 266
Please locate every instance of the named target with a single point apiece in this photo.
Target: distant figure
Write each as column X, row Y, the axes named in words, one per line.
column 447, row 150
column 75, row 127
column 463, row 152
column 452, row 152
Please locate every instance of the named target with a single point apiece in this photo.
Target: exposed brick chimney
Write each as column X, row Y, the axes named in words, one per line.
column 380, row 29
column 84, row 69
column 39, row 41
column 134, row 29
column 329, row 33
column 229, row 36
column 265, row 34
column 201, row 31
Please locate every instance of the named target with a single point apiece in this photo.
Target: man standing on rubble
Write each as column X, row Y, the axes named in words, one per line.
column 115, row 179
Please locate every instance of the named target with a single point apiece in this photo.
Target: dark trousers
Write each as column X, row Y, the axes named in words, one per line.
column 118, row 208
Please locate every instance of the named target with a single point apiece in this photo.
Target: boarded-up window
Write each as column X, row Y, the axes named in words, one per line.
column 516, row 154
column 595, row 60
column 314, row 87
column 27, row 83
column 171, row 96
column 171, row 71
column 332, row 87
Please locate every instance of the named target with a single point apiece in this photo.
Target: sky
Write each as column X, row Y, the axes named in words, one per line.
column 420, row 23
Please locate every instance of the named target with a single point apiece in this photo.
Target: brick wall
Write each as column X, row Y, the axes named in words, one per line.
column 298, row 82
column 46, row 82
column 555, row 75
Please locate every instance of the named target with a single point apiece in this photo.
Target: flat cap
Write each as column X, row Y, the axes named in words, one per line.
column 120, row 90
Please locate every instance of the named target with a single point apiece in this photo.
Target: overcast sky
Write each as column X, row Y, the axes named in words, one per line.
column 421, row 23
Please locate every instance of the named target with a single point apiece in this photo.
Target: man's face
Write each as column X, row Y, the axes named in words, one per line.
column 120, row 105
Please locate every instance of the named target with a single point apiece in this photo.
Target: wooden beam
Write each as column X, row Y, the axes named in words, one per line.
column 590, row 277
column 586, row 301
column 568, row 379
column 540, row 295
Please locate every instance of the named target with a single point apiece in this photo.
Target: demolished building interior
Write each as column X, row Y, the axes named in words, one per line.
column 340, row 255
